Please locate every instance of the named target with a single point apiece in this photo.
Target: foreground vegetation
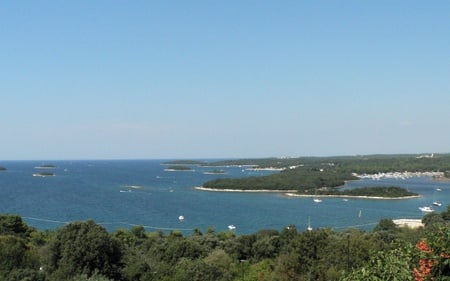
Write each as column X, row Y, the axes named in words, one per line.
column 86, row 251
column 307, row 174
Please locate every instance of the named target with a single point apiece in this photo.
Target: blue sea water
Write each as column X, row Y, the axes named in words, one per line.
column 124, row 193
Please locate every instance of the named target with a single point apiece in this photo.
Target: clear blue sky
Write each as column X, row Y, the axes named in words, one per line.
column 207, row 79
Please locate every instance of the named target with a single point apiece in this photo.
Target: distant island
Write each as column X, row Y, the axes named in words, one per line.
column 45, row 166
column 178, row 168
column 44, row 174
column 2, row 169
column 312, row 175
column 185, row 162
column 215, row 172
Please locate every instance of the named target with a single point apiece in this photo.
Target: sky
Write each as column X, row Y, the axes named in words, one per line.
column 223, row 79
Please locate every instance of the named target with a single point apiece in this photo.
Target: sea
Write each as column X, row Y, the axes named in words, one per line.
column 125, row 193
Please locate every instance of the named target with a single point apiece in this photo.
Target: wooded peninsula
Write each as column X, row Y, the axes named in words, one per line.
column 325, row 175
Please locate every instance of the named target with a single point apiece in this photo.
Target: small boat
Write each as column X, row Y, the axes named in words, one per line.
column 231, row 227
column 317, row 200
column 309, row 224
column 426, row 209
column 181, row 218
column 437, row 203
column 438, row 189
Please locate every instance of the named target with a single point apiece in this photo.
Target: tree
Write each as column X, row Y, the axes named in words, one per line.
column 221, row 265
column 446, row 215
column 82, row 248
column 436, row 250
column 16, row 256
column 93, row 277
column 432, row 219
column 392, row 265
column 385, row 225
column 14, row 225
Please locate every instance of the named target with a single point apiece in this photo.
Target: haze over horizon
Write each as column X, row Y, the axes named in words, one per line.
column 232, row 79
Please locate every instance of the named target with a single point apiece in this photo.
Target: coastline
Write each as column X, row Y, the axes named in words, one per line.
column 353, row 196
column 411, row 223
column 243, row 190
column 291, row 193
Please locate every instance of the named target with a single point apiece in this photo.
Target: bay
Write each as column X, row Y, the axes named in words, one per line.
column 125, row 193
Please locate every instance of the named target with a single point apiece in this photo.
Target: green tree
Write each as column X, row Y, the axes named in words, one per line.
column 433, row 219
column 392, row 265
column 446, row 214
column 221, row 265
column 438, row 239
column 82, row 248
column 16, row 256
column 385, row 225
column 14, row 225
column 93, row 277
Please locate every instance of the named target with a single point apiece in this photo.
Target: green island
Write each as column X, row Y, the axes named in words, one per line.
column 307, row 175
column 46, row 166
column 185, row 162
column 44, row 174
column 369, row 191
column 178, row 168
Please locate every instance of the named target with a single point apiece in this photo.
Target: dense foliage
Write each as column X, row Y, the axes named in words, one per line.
column 375, row 191
column 358, row 164
column 84, row 251
column 302, row 179
column 307, row 174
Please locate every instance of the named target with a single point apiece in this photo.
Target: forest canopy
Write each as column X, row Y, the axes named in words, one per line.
column 85, row 251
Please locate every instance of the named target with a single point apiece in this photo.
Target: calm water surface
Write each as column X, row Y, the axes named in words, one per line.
column 120, row 194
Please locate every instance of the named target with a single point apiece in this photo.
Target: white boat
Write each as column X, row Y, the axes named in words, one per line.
column 436, row 202
column 317, row 200
column 181, row 218
column 231, row 227
column 426, row 209
column 309, row 224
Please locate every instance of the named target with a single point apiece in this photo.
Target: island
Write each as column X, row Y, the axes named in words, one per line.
column 185, row 162
column 44, row 174
column 325, row 176
column 373, row 192
column 2, row 169
column 174, row 168
column 215, row 172
column 45, row 166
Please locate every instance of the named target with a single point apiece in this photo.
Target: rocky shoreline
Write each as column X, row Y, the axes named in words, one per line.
column 292, row 193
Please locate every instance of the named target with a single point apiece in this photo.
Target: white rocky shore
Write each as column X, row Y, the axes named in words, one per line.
column 242, row 190
column 293, row 193
column 412, row 223
column 351, row 196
